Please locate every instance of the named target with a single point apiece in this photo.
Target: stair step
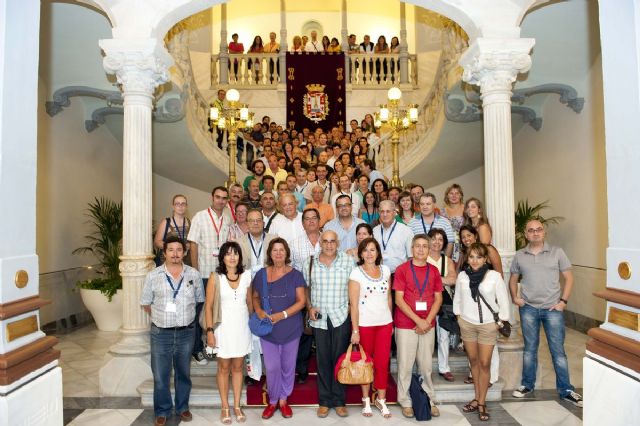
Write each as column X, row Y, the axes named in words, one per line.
column 204, row 391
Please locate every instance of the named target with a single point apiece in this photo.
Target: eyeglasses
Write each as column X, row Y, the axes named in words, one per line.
column 329, row 241
column 312, row 218
column 535, row 231
column 179, row 204
column 254, row 221
column 343, row 205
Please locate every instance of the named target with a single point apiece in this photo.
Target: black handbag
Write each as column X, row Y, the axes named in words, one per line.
column 504, row 327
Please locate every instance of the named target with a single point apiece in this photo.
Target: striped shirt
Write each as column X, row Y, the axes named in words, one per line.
column 420, row 226
column 329, row 286
column 157, row 292
column 209, row 231
column 301, row 250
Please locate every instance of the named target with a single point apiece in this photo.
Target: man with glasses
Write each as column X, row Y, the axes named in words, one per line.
column 209, row 230
column 344, row 182
column 345, row 224
column 428, row 219
column 542, row 301
column 302, row 248
column 327, row 277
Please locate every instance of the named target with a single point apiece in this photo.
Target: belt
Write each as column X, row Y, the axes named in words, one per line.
column 173, row 328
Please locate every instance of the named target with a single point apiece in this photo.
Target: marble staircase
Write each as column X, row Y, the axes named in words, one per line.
column 204, row 392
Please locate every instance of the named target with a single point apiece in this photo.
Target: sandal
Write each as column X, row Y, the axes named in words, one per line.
column 382, row 406
column 470, row 407
column 240, row 417
column 468, row 380
column 483, row 414
column 225, row 416
column 366, row 407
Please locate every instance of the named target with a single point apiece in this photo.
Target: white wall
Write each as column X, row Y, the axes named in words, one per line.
column 565, row 163
column 472, row 184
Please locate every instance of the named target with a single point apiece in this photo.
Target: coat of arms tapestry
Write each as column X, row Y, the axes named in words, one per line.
column 315, row 90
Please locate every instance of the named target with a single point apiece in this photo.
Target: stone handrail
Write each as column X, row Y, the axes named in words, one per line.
column 417, row 142
column 261, row 70
column 197, row 107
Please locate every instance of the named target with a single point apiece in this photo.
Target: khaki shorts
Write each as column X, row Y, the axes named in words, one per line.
column 485, row 334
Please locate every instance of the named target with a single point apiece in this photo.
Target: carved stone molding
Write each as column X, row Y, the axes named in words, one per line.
column 458, row 111
column 170, row 112
column 139, row 65
column 568, row 95
column 62, row 97
column 493, row 63
column 136, row 265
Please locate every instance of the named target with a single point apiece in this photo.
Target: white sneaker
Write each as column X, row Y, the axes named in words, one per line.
column 575, row 398
column 521, row 392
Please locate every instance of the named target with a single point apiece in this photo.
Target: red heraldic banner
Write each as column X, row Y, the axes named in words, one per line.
column 315, row 90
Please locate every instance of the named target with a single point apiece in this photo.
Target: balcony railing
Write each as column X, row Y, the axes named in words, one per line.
column 262, row 70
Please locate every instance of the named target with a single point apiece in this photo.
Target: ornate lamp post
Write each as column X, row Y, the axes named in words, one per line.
column 232, row 118
column 398, row 120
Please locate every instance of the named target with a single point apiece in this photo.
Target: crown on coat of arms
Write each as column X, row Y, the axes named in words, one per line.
column 315, row 87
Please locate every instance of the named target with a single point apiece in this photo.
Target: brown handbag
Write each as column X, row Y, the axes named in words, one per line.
column 358, row 372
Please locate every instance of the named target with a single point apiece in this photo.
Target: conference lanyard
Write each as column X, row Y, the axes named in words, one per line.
column 233, row 212
column 216, row 228
column 384, row 245
column 424, row 228
column 184, row 228
column 419, row 287
column 257, row 255
column 175, row 290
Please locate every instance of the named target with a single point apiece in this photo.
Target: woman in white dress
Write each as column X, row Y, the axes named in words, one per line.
column 232, row 337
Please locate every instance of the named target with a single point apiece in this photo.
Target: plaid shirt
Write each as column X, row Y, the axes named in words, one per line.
column 157, row 292
column 203, row 233
column 301, row 250
column 330, row 289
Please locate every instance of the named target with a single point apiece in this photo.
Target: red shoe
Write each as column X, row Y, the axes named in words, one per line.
column 286, row 411
column 269, row 411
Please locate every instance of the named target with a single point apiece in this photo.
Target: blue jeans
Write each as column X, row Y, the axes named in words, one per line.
column 171, row 348
column 553, row 323
column 198, row 345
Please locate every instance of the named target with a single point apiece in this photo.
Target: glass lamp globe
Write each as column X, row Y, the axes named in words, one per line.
column 233, row 95
column 394, row 94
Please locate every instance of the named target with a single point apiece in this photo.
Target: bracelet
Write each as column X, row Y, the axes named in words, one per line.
column 355, row 331
column 285, row 314
column 564, row 300
column 209, row 330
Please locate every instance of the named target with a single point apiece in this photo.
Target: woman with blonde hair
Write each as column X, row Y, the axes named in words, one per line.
column 474, row 215
column 297, row 45
column 454, row 211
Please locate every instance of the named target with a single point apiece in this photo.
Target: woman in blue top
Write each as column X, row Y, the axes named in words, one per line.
column 286, row 293
column 369, row 211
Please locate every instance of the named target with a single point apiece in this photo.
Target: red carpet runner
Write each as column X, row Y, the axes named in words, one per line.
column 307, row 393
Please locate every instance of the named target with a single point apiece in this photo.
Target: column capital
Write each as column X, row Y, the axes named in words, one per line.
column 139, row 65
column 494, row 63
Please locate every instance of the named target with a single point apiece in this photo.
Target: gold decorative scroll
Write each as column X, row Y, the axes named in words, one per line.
column 17, row 329
column 622, row 318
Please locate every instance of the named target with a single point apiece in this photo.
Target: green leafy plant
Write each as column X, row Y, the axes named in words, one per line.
column 105, row 243
column 524, row 213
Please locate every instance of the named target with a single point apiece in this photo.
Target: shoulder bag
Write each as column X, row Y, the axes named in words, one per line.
column 262, row 327
column 504, row 327
column 359, row 372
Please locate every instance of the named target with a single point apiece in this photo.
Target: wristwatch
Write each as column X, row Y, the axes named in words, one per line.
column 564, row 300
column 209, row 329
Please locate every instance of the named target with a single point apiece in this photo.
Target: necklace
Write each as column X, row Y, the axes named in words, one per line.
column 234, row 280
column 380, row 278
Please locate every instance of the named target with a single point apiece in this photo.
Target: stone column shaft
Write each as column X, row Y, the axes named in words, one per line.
column 284, row 46
column 140, row 66
column 494, row 64
column 344, row 35
column 224, row 50
column 404, row 48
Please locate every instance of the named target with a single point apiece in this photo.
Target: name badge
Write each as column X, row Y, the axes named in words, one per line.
column 216, row 252
column 170, row 307
column 421, row 306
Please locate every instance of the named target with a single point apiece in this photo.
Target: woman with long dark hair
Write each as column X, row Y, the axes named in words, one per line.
column 369, row 211
column 231, row 338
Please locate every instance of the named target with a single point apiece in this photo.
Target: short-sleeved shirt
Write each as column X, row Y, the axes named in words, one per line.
column 282, row 294
column 540, row 282
column 419, row 226
column 330, row 289
column 395, row 243
column 373, row 303
column 404, row 281
column 301, row 250
column 347, row 237
column 288, row 229
column 328, row 187
column 325, row 210
column 157, row 292
column 209, row 231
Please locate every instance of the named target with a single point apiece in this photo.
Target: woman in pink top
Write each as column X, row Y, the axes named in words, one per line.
column 235, row 48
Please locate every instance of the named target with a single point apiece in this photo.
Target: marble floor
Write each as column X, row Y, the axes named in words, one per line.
column 86, row 349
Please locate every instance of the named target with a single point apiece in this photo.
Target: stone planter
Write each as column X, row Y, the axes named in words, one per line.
column 107, row 315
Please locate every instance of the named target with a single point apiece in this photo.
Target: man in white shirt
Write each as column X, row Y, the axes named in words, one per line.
column 313, row 45
column 288, row 225
column 394, row 237
column 428, row 220
column 254, row 244
column 336, row 150
column 269, row 213
column 345, row 189
column 209, row 230
column 367, row 47
column 344, row 225
column 321, row 181
column 301, row 181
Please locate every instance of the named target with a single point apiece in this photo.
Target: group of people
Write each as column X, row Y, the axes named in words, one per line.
column 337, row 274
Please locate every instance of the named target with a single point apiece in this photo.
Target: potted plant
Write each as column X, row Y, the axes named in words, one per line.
column 525, row 213
column 101, row 295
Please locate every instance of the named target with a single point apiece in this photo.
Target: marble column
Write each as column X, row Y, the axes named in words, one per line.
column 494, row 64
column 404, row 48
column 140, row 67
column 223, row 58
column 344, row 38
column 284, row 46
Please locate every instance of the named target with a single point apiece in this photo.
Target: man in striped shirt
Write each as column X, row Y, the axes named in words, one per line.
column 428, row 219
